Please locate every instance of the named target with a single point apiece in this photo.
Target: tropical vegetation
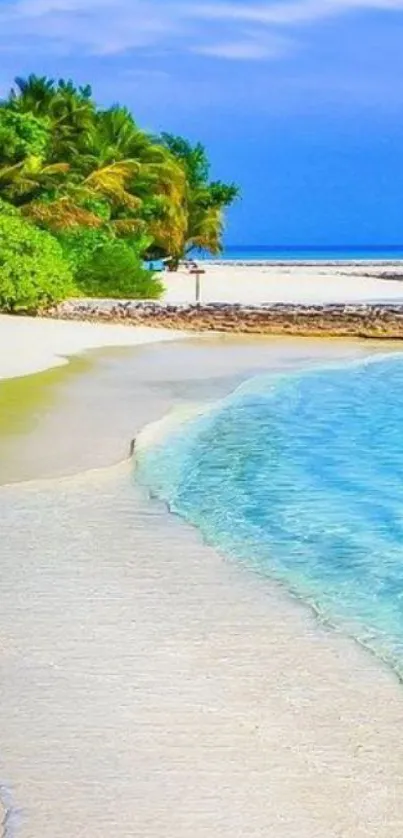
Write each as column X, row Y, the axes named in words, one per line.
column 87, row 196
column 33, row 271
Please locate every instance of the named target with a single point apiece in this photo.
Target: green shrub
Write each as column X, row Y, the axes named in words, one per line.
column 114, row 270
column 33, row 271
column 8, row 209
column 80, row 245
column 22, row 135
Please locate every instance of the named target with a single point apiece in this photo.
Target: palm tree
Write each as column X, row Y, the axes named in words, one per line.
column 71, row 119
column 70, row 203
column 68, row 111
column 60, row 214
column 205, row 230
column 205, row 200
column 33, row 95
column 112, row 182
column 154, row 182
column 117, row 136
column 66, row 164
column 19, row 182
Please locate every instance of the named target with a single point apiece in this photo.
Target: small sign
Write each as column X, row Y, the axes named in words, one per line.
column 197, row 273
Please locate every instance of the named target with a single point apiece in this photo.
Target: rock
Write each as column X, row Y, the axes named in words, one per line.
column 361, row 320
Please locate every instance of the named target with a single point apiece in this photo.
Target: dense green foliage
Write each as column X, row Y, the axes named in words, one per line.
column 109, row 267
column 80, row 245
column 93, row 179
column 114, row 270
column 21, row 135
column 8, row 209
column 33, row 272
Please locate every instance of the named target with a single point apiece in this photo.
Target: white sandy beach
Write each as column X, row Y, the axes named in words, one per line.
column 29, row 345
column 32, row 344
column 287, row 284
column 149, row 687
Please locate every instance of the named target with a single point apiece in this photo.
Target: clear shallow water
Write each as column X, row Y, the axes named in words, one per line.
column 301, row 476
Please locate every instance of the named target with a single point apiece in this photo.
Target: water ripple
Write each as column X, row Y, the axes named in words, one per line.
column 301, row 476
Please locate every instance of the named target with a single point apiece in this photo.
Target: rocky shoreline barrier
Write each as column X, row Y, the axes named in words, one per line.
column 364, row 320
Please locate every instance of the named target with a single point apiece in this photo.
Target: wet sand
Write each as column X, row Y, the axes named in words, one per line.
column 83, row 416
column 33, row 344
column 150, row 687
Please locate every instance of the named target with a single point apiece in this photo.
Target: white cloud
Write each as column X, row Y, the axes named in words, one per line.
column 287, row 13
column 239, row 50
column 220, row 29
column 253, row 47
column 94, row 26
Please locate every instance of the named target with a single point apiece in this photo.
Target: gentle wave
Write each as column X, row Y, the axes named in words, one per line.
column 301, row 477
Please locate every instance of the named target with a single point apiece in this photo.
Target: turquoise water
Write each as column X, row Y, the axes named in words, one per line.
column 301, row 477
column 278, row 253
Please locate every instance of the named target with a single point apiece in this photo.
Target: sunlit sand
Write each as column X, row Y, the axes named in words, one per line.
column 32, row 344
column 290, row 284
column 150, row 687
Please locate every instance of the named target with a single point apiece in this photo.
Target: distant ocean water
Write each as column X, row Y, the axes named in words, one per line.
column 300, row 476
column 310, row 253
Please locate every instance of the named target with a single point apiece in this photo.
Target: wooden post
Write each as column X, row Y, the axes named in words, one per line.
column 197, row 273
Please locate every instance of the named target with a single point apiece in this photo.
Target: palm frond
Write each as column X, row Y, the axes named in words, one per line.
column 111, row 181
column 128, row 226
column 56, row 169
column 61, row 214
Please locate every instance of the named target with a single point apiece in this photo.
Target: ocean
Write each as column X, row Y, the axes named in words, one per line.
column 300, row 477
column 308, row 253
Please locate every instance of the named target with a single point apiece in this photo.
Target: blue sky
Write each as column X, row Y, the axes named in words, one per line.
column 300, row 101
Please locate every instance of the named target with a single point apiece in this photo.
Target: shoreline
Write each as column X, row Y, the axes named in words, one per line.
column 254, row 677
column 123, row 390
column 158, row 432
column 302, row 263
column 36, row 344
column 174, row 692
